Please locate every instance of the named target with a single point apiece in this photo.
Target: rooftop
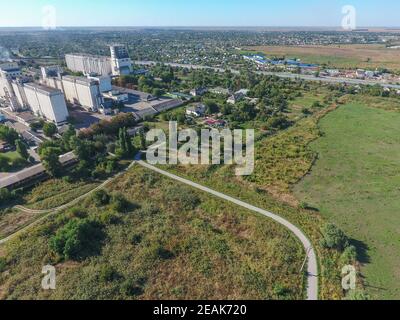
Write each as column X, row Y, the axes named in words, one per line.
column 87, row 55
column 81, row 80
column 30, row 172
column 42, row 88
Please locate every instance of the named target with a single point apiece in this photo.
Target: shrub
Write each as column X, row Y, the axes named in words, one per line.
column 134, row 286
column 108, row 274
column 187, row 198
column 334, row 238
column 349, row 256
column 76, row 213
column 119, row 203
column 136, row 239
column 4, row 165
column 6, row 195
column 77, row 240
column 101, row 198
column 2, row 264
column 49, row 129
column 109, row 217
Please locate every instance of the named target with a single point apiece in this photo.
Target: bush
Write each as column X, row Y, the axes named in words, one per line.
column 49, row 129
column 109, row 217
column 76, row 213
column 119, row 203
column 349, row 256
column 6, row 195
column 133, row 287
column 334, row 238
column 2, row 264
column 77, row 240
column 136, row 239
column 187, row 198
column 101, row 198
column 4, row 165
column 108, row 274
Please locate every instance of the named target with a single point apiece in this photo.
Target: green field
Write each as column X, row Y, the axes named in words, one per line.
column 356, row 184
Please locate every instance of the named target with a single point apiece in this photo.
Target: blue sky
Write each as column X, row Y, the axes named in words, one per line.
column 199, row 12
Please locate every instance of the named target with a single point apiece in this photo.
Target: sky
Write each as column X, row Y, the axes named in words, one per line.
column 307, row 13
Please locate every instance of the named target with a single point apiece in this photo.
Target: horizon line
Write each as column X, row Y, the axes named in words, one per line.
column 200, row 26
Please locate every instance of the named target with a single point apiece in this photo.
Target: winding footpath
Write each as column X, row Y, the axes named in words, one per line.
column 312, row 263
column 311, row 257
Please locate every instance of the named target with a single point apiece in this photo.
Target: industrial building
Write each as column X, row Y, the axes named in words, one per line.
column 89, row 64
column 46, row 102
column 10, row 69
column 82, row 91
column 120, row 62
column 117, row 64
column 86, row 92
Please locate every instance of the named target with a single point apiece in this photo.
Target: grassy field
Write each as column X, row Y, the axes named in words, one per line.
column 12, row 155
column 355, row 183
column 56, row 192
column 343, row 56
column 174, row 243
column 47, row 195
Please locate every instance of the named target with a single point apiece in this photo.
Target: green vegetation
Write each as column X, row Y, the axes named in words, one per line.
column 355, row 183
column 12, row 161
column 7, row 134
column 77, row 240
column 334, row 238
column 162, row 247
column 49, row 129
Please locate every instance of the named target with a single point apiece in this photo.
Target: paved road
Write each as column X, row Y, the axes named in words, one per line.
column 281, row 75
column 312, row 266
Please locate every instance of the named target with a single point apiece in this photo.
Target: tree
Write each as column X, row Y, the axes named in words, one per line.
column 8, row 134
column 50, row 160
column 4, row 165
column 125, row 143
column 83, row 149
column 22, row 149
column 334, row 238
column 143, row 143
column 49, row 129
column 78, row 239
column 67, row 136
column 122, row 142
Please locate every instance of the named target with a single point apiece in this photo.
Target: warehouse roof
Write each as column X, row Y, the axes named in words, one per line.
column 28, row 173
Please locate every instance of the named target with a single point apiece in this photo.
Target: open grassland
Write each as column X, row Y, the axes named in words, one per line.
column 47, row 195
column 338, row 56
column 355, row 183
column 172, row 243
column 56, row 192
column 282, row 160
column 223, row 179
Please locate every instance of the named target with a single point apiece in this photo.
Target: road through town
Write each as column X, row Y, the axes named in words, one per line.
column 281, row 75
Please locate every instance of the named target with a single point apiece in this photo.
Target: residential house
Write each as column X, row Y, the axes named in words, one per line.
column 198, row 92
column 198, row 110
